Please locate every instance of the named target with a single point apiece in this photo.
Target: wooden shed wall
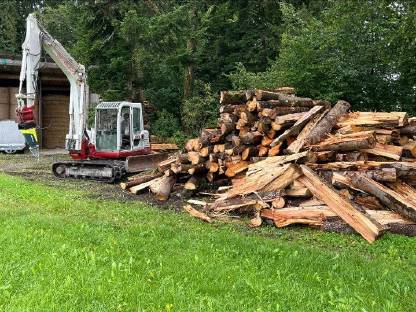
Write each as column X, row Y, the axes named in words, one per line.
column 4, row 103
column 55, row 118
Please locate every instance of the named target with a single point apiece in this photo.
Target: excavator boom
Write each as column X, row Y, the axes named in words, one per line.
column 36, row 40
column 118, row 143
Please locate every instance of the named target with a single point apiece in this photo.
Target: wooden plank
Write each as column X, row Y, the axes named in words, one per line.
column 163, row 146
column 298, row 192
column 283, row 180
column 379, row 119
column 369, row 229
column 272, row 162
column 385, row 150
column 230, row 204
column 402, row 167
column 141, row 187
column 323, row 217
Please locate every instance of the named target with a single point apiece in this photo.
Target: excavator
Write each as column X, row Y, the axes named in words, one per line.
column 116, row 145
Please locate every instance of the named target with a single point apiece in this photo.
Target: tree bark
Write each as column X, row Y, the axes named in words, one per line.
column 325, row 125
column 294, row 130
column 140, row 180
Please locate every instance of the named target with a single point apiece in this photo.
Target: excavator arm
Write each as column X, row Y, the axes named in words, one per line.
column 38, row 39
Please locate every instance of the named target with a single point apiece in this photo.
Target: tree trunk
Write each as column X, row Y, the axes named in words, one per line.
column 301, row 140
column 232, row 97
column 324, row 127
column 294, row 130
column 140, row 180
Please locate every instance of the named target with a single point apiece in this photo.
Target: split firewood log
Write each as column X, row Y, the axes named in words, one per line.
column 192, row 184
column 263, row 151
column 140, row 180
column 408, row 130
column 251, row 138
column 374, row 119
column 236, row 168
column 232, row 109
column 397, row 201
column 205, row 151
column 302, row 138
column 162, row 187
column 275, row 150
column 278, row 202
column 195, row 158
column 351, row 156
column 368, row 228
column 193, row 145
column 232, row 97
column 165, row 164
column 197, row 214
column 285, row 99
column 212, row 166
column 411, row 148
column 197, row 169
column 249, row 151
column 210, row 136
column 385, row 150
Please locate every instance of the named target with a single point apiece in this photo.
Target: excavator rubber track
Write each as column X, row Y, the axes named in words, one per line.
column 107, row 171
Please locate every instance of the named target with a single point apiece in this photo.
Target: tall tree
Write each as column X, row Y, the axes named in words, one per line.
column 361, row 51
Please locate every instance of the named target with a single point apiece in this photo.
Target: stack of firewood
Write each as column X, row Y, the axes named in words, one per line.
column 294, row 160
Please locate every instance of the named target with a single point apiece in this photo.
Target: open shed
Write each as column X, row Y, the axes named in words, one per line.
column 52, row 103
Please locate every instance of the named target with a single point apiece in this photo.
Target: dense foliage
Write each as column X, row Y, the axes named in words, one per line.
column 361, row 51
column 177, row 54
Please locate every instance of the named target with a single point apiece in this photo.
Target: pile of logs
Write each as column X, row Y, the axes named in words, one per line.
column 284, row 159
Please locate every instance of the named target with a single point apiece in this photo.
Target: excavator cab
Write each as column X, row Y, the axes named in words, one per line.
column 119, row 127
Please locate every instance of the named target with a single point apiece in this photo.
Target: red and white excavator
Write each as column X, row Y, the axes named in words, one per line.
column 118, row 142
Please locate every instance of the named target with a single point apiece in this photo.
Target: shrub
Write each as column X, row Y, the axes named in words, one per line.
column 200, row 111
column 166, row 125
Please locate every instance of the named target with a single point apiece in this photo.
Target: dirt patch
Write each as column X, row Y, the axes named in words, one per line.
column 39, row 171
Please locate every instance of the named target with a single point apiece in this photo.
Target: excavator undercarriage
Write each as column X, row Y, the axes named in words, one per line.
column 106, row 170
column 100, row 170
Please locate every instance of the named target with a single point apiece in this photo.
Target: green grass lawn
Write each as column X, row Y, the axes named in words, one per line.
column 60, row 251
